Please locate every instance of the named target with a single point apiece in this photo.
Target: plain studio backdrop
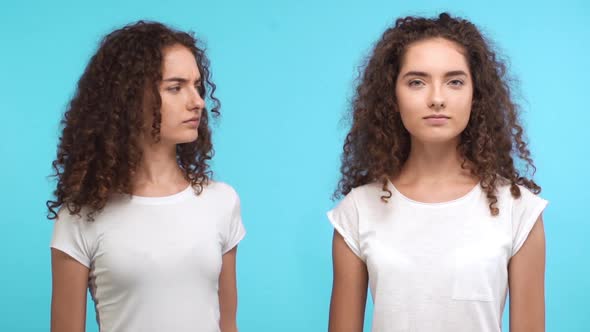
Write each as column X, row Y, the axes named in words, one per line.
column 285, row 72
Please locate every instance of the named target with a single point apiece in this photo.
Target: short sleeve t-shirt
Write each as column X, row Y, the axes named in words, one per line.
column 155, row 261
column 437, row 267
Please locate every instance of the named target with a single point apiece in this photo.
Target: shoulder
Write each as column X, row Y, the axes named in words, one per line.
column 220, row 191
column 65, row 216
column 527, row 202
column 218, row 187
column 365, row 199
column 118, row 207
column 71, row 228
column 505, row 192
column 369, row 191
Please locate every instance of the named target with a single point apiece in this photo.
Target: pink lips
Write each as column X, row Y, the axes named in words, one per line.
column 436, row 120
column 193, row 122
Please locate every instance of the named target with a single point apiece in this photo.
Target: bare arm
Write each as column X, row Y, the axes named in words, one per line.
column 349, row 289
column 228, row 294
column 526, row 276
column 68, row 298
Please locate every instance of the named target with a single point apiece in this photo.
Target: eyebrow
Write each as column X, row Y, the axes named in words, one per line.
column 180, row 80
column 447, row 74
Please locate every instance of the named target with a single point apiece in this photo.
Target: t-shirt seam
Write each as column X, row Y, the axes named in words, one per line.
column 234, row 243
column 72, row 253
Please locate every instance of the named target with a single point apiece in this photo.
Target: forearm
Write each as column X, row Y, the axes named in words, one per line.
column 228, row 325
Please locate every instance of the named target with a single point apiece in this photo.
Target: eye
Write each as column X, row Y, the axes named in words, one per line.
column 175, row 88
column 415, row 83
column 456, row 83
column 200, row 89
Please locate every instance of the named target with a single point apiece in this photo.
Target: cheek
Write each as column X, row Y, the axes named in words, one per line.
column 410, row 107
column 167, row 112
column 463, row 109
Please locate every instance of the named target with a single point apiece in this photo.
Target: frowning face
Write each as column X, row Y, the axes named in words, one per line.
column 181, row 95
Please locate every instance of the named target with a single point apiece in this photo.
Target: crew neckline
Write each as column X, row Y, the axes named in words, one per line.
column 159, row 200
column 460, row 199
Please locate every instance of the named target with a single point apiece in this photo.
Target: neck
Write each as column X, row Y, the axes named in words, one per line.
column 433, row 163
column 158, row 169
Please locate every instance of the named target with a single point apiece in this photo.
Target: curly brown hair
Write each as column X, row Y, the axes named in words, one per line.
column 99, row 149
column 378, row 144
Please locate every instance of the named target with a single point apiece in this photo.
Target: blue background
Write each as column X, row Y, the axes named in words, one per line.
column 285, row 73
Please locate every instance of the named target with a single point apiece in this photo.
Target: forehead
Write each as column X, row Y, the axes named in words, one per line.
column 434, row 55
column 179, row 61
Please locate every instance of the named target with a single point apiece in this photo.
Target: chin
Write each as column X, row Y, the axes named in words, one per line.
column 438, row 138
column 186, row 139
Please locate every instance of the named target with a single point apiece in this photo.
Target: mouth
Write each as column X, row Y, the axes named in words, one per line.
column 437, row 117
column 193, row 122
column 437, row 120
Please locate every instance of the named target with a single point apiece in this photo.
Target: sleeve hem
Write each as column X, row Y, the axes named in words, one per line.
column 347, row 239
column 71, row 253
column 528, row 226
column 234, row 243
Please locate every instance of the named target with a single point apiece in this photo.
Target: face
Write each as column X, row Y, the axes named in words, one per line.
column 182, row 103
column 434, row 91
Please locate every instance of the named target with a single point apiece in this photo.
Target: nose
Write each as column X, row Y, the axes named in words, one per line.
column 437, row 104
column 437, row 100
column 196, row 102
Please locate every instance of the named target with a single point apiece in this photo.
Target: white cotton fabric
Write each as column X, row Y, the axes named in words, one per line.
column 155, row 261
column 438, row 267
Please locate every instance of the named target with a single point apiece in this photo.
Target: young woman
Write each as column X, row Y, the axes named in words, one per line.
column 436, row 217
column 139, row 221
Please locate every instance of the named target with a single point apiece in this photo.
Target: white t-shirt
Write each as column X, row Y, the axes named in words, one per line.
column 440, row 267
column 155, row 261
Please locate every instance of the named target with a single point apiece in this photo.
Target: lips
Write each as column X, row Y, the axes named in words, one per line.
column 437, row 117
column 193, row 122
column 436, row 120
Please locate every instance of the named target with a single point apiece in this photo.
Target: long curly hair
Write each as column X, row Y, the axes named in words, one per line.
column 99, row 149
column 377, row 145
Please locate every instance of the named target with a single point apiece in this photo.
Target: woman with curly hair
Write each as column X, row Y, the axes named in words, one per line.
column 139, row 222
column 436, row 217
